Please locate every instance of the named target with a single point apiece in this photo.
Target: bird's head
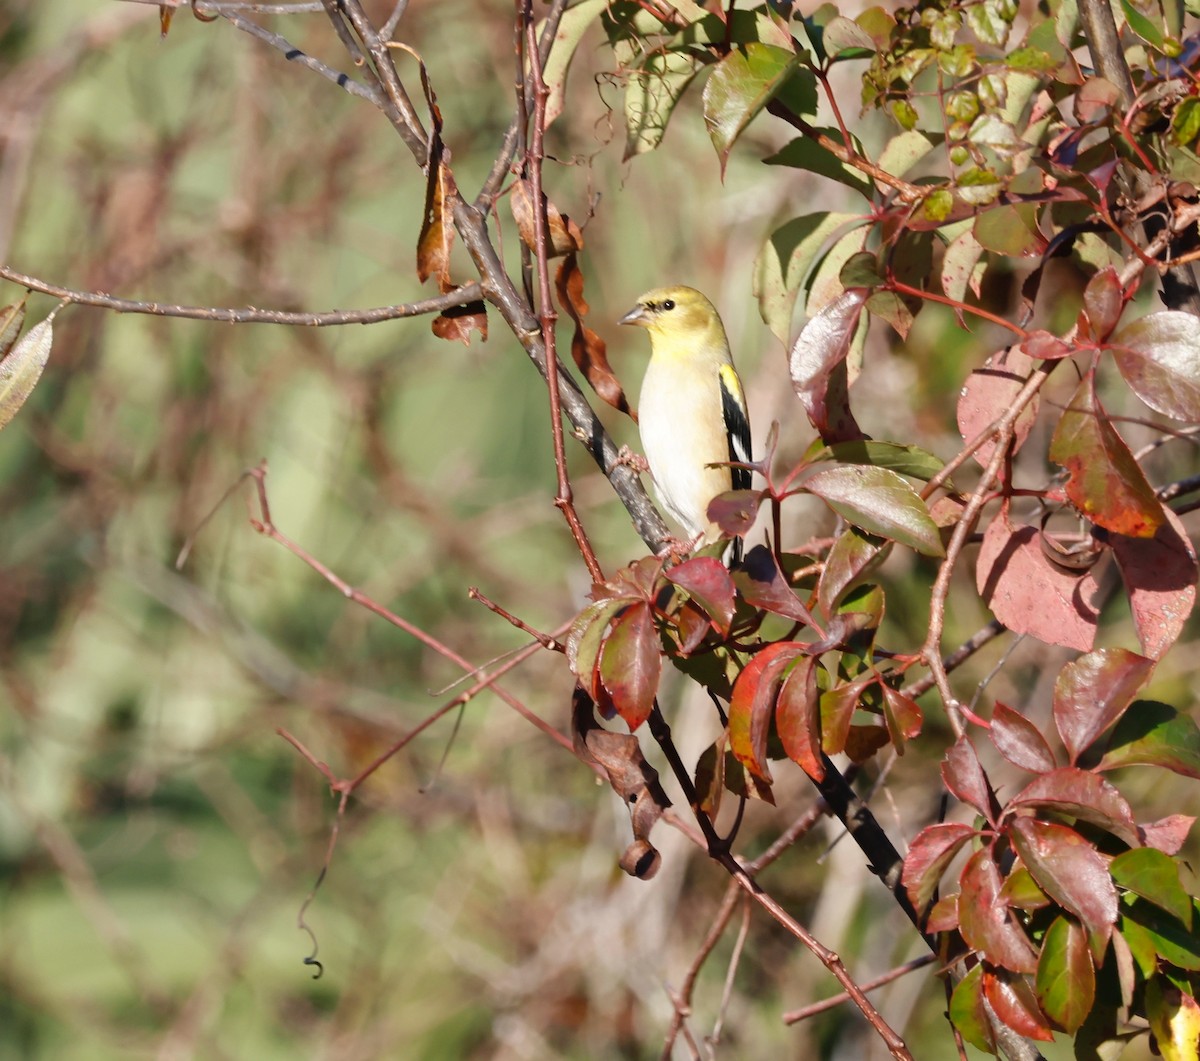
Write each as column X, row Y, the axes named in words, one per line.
column 675, row 312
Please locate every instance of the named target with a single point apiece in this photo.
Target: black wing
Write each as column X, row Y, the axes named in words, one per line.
column 737, row 425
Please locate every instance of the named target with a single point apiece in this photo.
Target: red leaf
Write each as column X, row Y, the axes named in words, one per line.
column 631, row 663
column 1167, row 834
column 928, row 855
column 1160, row 575
column 735, row 511
column 1013, row 1001
column 707, row 582
column 989, row 393
column 1066, row 978
column 985, row 920
column 1093, row 691
column 1103, row 301
column 1046, row 347
column 762, row 585
column 903, row 717
column 1159, row 356
column 944, row 916
column 1069, row 869
column 798, row 718
column 457, row 323
column 753, row 701
column 1020, row 741
column 1105, row 482
column 585, row 639
column 817, row 363
column 965, row 778
column 1081, row 794
column 1029, row 594
column 587, row 348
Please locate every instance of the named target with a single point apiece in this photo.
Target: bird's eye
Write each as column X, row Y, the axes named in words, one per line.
column 669, row 304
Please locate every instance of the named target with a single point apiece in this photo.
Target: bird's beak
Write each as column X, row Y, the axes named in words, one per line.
column 638, row 316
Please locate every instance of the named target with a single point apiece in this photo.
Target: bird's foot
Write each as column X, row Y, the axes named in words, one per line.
column 626, row 457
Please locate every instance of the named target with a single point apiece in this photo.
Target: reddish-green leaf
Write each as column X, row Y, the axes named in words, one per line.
column 1022, row 892
column 817, row 364
column 880, row 502
column 1167, row 834
column 741, row 85
column 798, row 718
column 969, row 1014
column 944, row 915
column 986, row 922
column 1066, row 979
column 1105, row 482
column 631, row 664
column 837, row 709
column 1103, row 300
column 707, row 582
column 1010, row 230
column 1020, row 741
column 585, row 637
column 1069, row 869
column 852, row 556
column 762, row 585
column 753, row 702
column 1159, row 356
column 1046, row 347
column 1154, row 876
column 1160, row 577
column 1081, row 794
column 1013, row 1001
column 928, row 855
column 1154, row 734
column 965, row 778
column 1031, row 595
column 1093, row 691
column 903, row 717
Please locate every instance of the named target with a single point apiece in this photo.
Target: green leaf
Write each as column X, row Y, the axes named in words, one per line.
column 988, row 23
column 969, row 1013
column 1155, row 877
column 1066, row 979
column 907, row 460
column 1154, row 734
column 22, row 368
column 1185, row 122
column 904, row 151
column 1142, row 26
column 571, row 28
column 741, row 85
column 785, row 261
column 1173, row 940
column 880, row 502
column 652, row 92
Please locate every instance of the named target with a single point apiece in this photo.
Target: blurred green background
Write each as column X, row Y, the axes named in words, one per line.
column 157, row 838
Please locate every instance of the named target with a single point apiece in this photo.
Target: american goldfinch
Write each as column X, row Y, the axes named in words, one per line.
column 692, row 412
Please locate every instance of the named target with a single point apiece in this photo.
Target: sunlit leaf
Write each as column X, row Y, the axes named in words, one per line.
column 930, row 853
column 969, row 1014
column 880, row 502
column 631, row 664
column 1020, row 741
column 1155, row 877
column 989, row 393
column 571, row 27
column 1081, row 794
column 817, row 365
column 903, row 717
column 1092, row 692
column 1013, row 1001
column 651, row 93
column 753, row 703
column 852, row 556
column 740, row 86
column 1160, row 578
column 1066, row 978
column 798, row 718
column 1103, row 301
column 1172, row 939
column 1105, row 484
column 1174, row 1018
column 986, row 922
column 1031, row 595
column 1159, row 356
column 708, row 583
column 1068, row 868
column 966, row 780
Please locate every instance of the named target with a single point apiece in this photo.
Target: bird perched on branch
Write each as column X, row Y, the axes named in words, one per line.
column 692, row 411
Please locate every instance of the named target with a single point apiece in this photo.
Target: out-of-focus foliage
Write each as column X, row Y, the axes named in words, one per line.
column 158, row 838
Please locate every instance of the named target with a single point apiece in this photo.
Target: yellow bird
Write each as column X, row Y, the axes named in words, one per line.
column 692, row 411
